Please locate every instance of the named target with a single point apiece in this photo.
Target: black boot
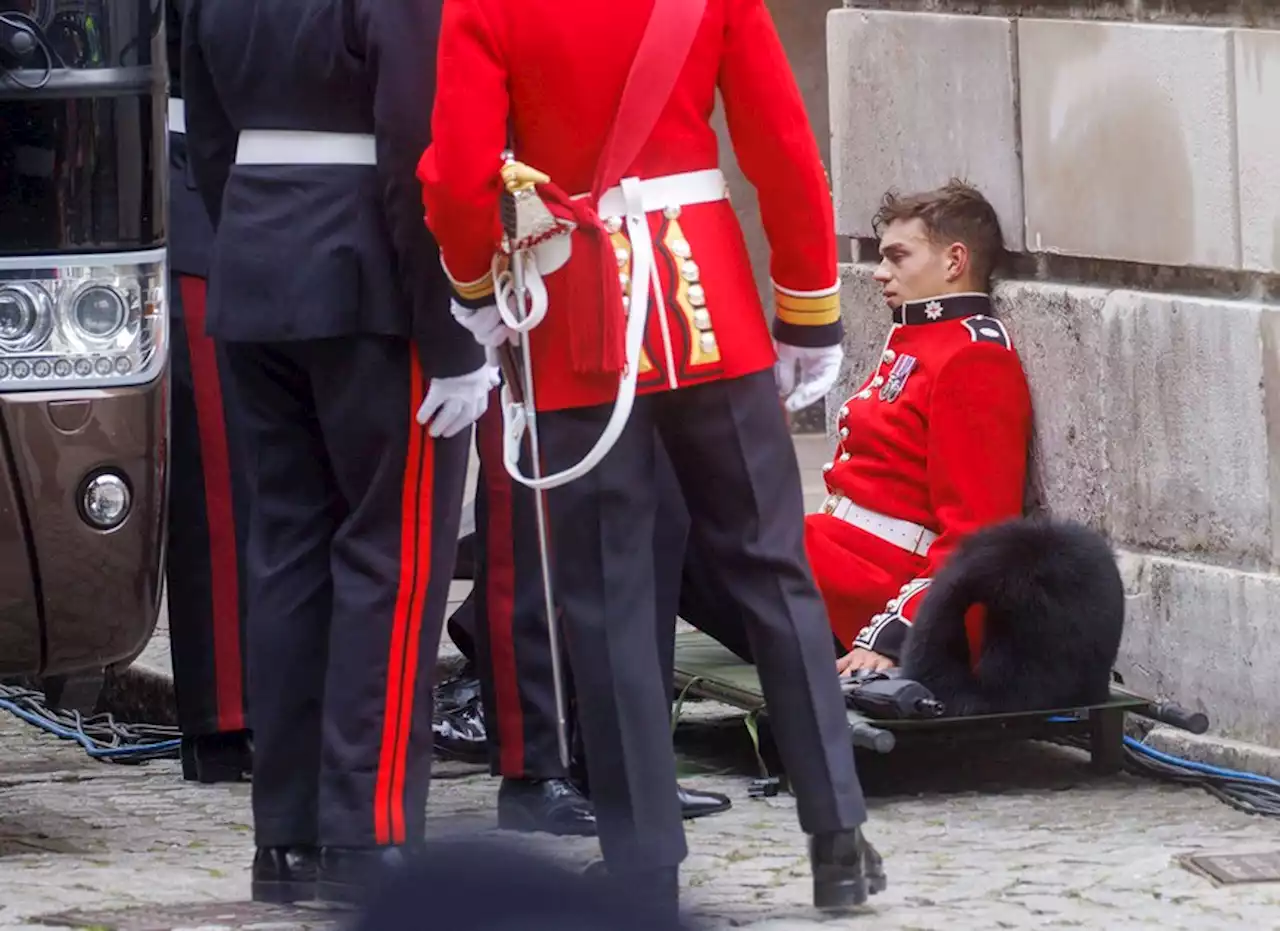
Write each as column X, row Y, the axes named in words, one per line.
column 210, row 758
column 846, row 868
column 347, row 872
column 695, row 804
column 551, row 806
column 284, row 874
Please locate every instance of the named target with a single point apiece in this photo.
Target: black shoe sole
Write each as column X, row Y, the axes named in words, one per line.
column 524, row 823
column 279, row 893
column 343, row 894
column 705, row 812
column 211, row 775
column 841, row 895
column 476, row 757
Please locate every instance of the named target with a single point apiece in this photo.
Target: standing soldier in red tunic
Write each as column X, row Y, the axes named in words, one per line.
column 607, row 107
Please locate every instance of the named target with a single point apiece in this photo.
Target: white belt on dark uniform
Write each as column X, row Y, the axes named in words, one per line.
column 304, row 147
column 901, row 533
column 177, row 116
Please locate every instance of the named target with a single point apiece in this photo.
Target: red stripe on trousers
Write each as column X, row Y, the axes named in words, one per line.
column 402, row 664
column 500, row 575
column 211, row 424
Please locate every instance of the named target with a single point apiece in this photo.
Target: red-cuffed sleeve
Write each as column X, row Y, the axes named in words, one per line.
column 979, row 431
column 460, row 170
column 774, row 142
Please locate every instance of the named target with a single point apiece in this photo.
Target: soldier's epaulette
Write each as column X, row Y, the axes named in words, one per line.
column 988, row 330
column 473, row 294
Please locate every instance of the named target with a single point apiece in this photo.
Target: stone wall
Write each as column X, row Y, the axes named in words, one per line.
column 802, row 27
column 1132, row 150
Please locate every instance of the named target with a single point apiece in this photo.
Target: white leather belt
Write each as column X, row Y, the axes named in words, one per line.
column 304, row 147
column 901, row 533
column 177, row 116
column 682, row 190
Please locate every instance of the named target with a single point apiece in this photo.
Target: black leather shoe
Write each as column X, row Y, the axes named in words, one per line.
column 459, row 734
column 846, row 868
column 695, row 804
column 458, row 692
column 346, row 872
column 552, row 806
column 210, row 758
column 284, row 874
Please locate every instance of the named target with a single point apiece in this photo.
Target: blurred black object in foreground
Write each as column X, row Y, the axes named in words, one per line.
column 484, row 885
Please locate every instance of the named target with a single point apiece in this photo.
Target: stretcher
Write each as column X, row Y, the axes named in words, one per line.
column 706, row 669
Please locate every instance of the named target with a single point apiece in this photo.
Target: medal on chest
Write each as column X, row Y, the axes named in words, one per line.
column 903, row 366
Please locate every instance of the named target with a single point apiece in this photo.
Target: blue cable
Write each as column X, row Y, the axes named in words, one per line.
column 1192, row 765
column 1199, row 767
column 84, row 740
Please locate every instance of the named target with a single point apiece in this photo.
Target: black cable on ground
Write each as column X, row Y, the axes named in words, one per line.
column 102, row 736
column 1247, row 792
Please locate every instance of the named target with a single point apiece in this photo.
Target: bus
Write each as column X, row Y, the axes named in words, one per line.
column 84, row 351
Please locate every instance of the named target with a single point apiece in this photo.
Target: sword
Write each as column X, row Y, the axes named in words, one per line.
column 518, row 377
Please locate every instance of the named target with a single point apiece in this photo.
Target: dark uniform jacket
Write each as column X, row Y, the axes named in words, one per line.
column 316, row 251
column 190, row 232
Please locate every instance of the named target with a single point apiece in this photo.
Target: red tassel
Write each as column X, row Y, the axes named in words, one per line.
column 596, row 340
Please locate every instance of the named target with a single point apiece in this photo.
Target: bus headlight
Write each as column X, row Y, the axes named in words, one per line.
column 99, row 323
column 98, row 312
column 26, row 315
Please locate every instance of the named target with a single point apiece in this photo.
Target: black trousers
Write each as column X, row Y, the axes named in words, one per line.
column 507, row 618
column 501, row 627
column 351, row 550
column 734, row 460
column 208, row 525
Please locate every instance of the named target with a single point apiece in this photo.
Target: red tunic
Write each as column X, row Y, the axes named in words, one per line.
column 949, row 453
column 558, row 67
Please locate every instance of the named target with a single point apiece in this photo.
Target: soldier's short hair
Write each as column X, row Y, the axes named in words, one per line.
column 955, row 212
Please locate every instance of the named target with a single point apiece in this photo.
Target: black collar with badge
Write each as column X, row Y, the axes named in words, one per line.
column 943, row 308
column 971, row 308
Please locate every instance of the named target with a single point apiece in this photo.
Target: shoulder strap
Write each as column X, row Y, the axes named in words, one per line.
column 664, row 48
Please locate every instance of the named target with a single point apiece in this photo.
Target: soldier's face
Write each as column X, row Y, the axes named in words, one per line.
column 912, row 266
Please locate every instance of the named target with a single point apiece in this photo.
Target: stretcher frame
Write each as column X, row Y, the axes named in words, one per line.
column 707, row 669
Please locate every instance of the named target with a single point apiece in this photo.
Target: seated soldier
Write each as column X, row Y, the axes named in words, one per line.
column 932, row 447
column 934, row 444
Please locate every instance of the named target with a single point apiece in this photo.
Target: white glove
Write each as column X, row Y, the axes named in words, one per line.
column 453, row 404
column 819, row 368
column 484, row 323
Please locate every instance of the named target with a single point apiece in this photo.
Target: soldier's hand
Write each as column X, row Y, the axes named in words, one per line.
column 806, row 373
column 453, row 404
column 858, row 658
column 483, row 323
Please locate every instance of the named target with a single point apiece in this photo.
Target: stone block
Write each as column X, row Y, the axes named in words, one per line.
column 917, row 98
column 1203, row 636
column 1257, row 57
column 1128, row 141
column 1185, row 426
column 1057, row 331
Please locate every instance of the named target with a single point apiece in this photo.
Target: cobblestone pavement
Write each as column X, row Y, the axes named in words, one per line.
column 1023, row 838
